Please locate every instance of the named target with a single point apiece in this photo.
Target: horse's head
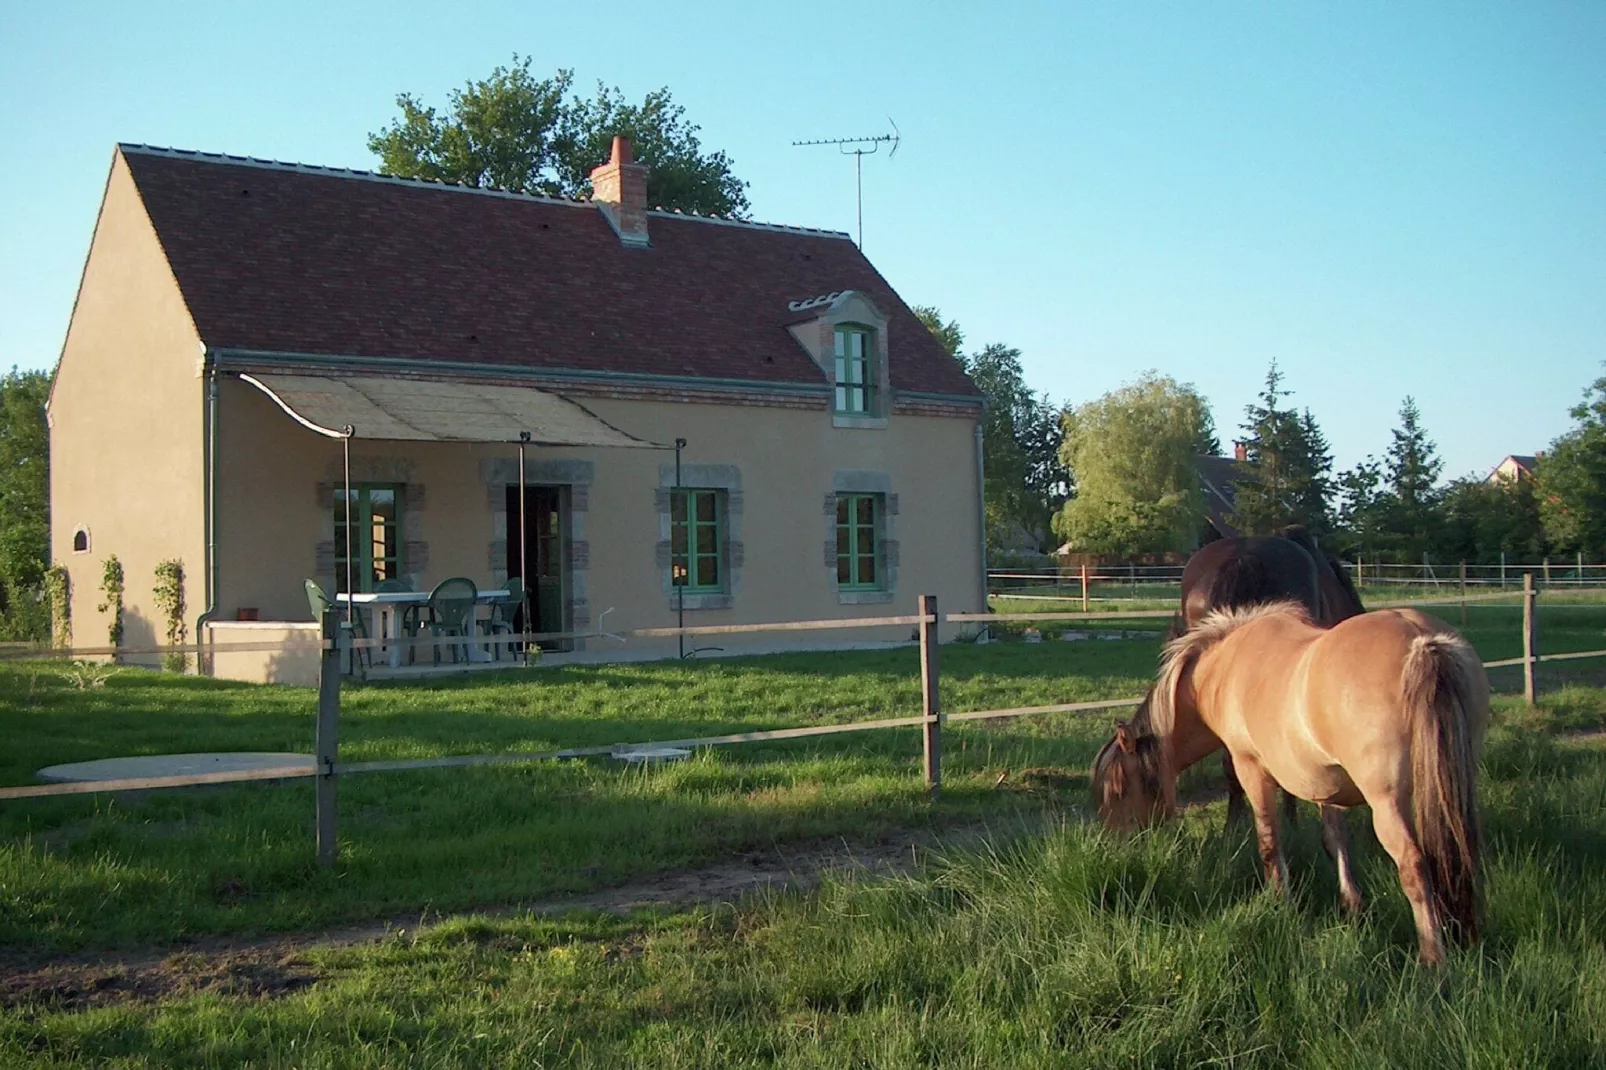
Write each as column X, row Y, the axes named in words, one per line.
column 1126, row 780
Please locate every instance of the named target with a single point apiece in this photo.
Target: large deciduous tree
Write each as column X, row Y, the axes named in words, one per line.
column 24, row 504
column 1137, row 483
column 515, row 131
column 1571, row 479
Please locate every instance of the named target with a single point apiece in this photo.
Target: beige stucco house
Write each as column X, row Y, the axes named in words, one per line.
column 245, row 326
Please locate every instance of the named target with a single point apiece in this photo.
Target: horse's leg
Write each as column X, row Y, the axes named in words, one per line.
column 1236, row 810
column 1261, row 791
column 1335, row 837
column 1291, row 808
column 1395, row 834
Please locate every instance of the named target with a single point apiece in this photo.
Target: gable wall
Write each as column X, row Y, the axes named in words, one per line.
column 126, row 421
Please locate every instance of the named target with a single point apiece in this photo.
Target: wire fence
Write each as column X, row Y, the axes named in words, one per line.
column 337, row 643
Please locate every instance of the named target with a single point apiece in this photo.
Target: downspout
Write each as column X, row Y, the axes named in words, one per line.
column 209, row 571
column 680, row 591
column 981, row 518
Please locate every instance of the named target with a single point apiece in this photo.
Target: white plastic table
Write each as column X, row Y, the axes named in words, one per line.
column 387, row 607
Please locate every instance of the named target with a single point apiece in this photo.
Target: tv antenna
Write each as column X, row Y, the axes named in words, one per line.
column 859, row 148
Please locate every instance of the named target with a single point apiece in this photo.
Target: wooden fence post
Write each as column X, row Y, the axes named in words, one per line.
column 1463, row 594
column 326, row 740
column 928, row 692
column 1360, row 571
column 1530, row 637
column 1084, row 587
column 1546, row 567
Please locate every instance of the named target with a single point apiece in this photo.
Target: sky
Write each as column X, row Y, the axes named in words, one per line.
column 1386, row 199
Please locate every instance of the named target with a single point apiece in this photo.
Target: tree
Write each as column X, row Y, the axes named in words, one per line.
column 1571, row 479
column 1286, row 474
column 1362, row 508
column 534, row 135
column 948, row 335
column 1133, row 454
column 1025, row 482
column 24, row 504
column 1480, row 520
column 1412, row 467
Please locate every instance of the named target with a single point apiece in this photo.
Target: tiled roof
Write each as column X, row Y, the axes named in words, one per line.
column 287, row 258
column 1218, row 478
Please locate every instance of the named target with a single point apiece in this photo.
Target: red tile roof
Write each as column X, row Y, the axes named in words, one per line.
column 288, row 259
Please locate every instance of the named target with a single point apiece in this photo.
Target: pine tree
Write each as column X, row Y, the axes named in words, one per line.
column 1271, row 475
column 1412, row 467
column 1313, row 502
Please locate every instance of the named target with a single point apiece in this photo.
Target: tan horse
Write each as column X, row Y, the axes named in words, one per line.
column 1387, row 709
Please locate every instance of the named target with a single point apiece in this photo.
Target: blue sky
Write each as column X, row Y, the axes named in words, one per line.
column 1388, row 199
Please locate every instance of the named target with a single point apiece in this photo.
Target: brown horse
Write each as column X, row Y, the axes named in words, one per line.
column 1387, row 709
column 1231, row 573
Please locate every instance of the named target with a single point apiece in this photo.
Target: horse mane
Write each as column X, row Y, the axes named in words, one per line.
column 1180, row 655
column 1300, row 536
column 1341, row 574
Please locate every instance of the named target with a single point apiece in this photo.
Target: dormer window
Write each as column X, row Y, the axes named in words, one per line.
column 855, row 369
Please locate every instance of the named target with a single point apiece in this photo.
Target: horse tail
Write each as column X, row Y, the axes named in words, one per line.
column 1442, row 701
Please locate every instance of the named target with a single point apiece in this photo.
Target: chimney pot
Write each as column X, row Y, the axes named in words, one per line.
column 619, row 188
column 1240, row 451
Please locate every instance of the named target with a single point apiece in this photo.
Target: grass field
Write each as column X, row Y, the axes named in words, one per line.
column 1061, row 948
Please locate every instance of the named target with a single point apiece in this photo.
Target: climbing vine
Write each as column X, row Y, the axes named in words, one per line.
column 58, row 591
column 169, row 596
column 111, row 585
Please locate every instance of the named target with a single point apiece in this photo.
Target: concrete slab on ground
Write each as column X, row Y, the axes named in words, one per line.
column 149, row 765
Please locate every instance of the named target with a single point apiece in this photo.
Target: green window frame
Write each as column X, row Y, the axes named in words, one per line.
column 376, row 537
column 859, row 519
column 855, row 370
column 696, row 540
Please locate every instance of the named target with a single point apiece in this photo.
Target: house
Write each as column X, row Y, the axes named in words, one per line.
column 721, row 421
column 1515, row 468
column 1218, row 482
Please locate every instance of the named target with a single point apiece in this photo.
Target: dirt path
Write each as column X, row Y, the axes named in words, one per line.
column 271, row 966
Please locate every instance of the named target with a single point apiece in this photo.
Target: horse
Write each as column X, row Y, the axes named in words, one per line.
column 1387, row 708
column 1249, row 571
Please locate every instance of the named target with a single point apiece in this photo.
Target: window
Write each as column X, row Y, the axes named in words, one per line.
column 375, row 535
column 858, row 534
column 696, row 531
column 855, row 370
column 80, row 541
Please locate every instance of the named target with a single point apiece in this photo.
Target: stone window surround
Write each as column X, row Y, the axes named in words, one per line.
column 397, row 470
column 81, row 530
column 576, row 477
column 721, row 477
column 862, row 481
column 818, row 337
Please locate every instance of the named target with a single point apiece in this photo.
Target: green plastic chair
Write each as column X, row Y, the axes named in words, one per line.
column 451, row 613
column 503, row 615
column 319, row 603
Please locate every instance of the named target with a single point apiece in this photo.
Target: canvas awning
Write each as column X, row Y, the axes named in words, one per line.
column 373, row 407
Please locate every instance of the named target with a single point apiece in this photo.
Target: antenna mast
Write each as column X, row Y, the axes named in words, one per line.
column 859, row 148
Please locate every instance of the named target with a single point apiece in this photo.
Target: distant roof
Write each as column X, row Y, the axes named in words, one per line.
column 1522, row 459
column 1218, row 478
column 293, row 259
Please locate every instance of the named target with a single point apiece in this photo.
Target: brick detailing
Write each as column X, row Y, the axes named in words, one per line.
column 579, row 555
column 496, row 558
column 889, row 553
column 830, row 504
column 660, row 500
column 326, row 495
column 413, row 497
column 830, row 552
column 496, row 496
column 579, row 498
column 324, row 558
column 734, row 502
column 892, row 505
column 920, row 407
column 735, row 554
column 415, row 556
column 661, row 554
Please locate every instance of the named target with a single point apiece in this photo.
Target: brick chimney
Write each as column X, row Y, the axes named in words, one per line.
column 1240, row 451
column 619, row 188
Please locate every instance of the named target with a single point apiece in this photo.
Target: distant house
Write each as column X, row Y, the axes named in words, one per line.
column 1515, row 468
column 1218, row 480
column 240, row 323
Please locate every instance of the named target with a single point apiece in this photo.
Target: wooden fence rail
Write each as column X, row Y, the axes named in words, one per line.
column 336, row 641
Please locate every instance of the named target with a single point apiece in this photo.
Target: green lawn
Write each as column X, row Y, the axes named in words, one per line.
column 1067, row 948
